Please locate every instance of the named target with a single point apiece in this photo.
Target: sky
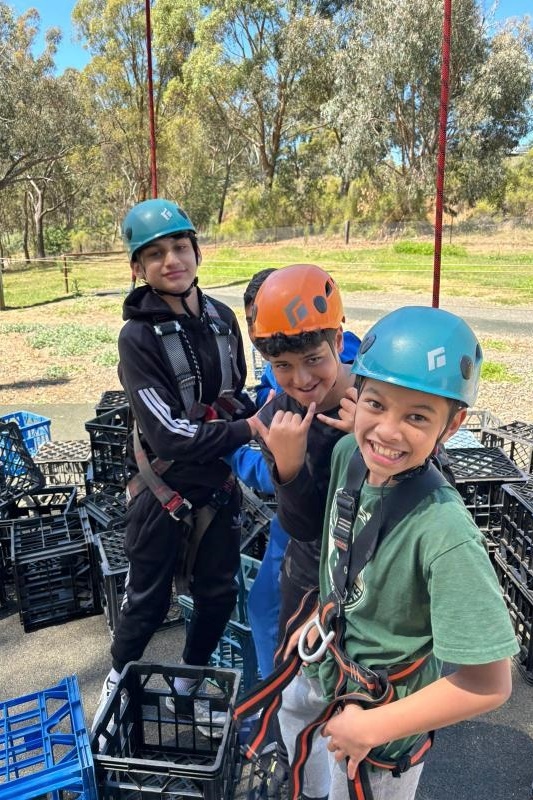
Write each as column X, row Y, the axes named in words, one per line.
column 56, row 13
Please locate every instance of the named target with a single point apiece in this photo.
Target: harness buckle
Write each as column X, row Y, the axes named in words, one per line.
column 178, row 507
column 325, row 638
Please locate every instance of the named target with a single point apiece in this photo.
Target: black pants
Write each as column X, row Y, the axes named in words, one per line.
column 152, row 547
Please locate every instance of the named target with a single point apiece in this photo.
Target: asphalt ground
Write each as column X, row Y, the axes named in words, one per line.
column 488, row 757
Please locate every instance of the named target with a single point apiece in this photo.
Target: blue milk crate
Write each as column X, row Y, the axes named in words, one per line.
column 35, row 429
column 235, row 648
column 44, row 746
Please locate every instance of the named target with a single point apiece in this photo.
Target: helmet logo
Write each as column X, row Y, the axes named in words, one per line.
column 296, row 311
column 436, row 358
column 166, row 214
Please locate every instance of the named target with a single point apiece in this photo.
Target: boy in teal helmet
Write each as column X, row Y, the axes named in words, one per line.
column 183, row 369
column 405, row 579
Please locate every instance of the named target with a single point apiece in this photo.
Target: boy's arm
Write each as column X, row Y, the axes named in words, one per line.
column 469, row 691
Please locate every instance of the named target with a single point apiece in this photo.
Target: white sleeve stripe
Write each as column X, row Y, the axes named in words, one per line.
column 161, row 411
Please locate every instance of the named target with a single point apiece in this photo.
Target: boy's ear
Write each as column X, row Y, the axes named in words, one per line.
column 339, row 341
column 137, row 269
column 456, row 422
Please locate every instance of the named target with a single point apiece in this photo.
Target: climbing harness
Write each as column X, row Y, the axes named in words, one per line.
column 374, row 687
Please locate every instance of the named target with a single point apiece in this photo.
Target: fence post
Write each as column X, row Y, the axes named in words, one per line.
column 2, row 300
column 65, row 273
column 347, row 232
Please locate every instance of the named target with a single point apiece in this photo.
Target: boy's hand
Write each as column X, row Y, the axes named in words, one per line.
column 312, row 636
column 286, row 438
column 346, row 419
column 346, row 737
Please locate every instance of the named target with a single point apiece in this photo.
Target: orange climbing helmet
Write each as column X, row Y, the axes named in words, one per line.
column 296, row 299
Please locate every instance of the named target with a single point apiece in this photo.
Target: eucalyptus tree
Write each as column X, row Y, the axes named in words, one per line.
column 264, row 68
column 116, row 36
column 385, row 107
column 41, row 122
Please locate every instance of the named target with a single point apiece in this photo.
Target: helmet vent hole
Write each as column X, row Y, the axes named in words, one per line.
column 367, row 343
column 128, row 233
column 467, row 367
column 320, row 304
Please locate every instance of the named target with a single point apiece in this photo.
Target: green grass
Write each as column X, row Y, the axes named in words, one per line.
column 402, row 266
column 497, row 373
column 68, row 340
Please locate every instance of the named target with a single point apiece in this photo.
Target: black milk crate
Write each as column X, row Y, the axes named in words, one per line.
column 45, row 503
column 112, row 568
column 479, row 476
column 256, row 517
column 516, row 536
column 19, row 474
column 142, row 750
column 235, row 648
column 65, row 462
column 246, row 576
column 105, row 506
column 520, row 606
column 44, row 746
column 516, row 441
column 108, row 433
column 110, row 400
column 53, row 569
column 477, row 419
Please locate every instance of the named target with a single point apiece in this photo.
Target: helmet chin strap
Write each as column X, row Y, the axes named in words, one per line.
column 181, row 295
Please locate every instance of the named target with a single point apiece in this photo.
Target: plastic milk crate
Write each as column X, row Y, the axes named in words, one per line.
column 235, row 648
column 44, row 504
column 108, row 433
column 110, row 400
column 44, row 746
column 54, row 571
column 519, row 603
column 106, row 508
column 142, row 750
column 477, row 419
column 65, row 462
column 256, row 517
column 516, row 441
column 18, row 473
column 35, row 429
column 479, row 475
column 516, row 537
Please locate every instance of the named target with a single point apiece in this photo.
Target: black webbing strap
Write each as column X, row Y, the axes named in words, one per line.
column 397, row 504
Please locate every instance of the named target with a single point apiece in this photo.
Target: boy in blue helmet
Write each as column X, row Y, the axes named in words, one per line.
column 404, row 577
column 183, row 369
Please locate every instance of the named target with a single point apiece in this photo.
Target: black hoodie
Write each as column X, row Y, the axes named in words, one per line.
column 196, row 447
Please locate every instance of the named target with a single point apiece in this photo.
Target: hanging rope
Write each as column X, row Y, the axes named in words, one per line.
column 441, row 159
column 153, row 161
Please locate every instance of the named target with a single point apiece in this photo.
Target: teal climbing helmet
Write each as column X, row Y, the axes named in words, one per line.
column 423, row 348
column 150, row 220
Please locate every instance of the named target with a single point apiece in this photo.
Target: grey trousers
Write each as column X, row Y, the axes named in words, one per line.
column 325, row 777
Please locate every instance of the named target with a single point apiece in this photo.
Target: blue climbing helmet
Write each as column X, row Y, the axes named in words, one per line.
column 423, row 348
column 150, row 220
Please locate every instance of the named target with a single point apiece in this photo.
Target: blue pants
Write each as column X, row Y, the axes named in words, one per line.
column 264, row 599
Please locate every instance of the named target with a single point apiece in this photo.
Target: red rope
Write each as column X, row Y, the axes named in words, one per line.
column 153, row 162
column 441, row 160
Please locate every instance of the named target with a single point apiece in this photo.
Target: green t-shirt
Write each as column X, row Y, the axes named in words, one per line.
column 430, row 587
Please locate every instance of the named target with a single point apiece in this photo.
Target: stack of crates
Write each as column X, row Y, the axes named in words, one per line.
column 477, row 420
column 53, row 565
column 65, row 463
column 479, row 476
column 235, row 649
column 513, row 562
column 141, row 749
column 44, row 746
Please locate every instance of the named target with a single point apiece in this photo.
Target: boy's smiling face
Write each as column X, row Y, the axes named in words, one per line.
column 397, row 428
column 168, row 264
column 308, row 377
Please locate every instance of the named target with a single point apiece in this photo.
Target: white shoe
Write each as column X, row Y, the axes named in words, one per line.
column 209, row 723
column 107, row 688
